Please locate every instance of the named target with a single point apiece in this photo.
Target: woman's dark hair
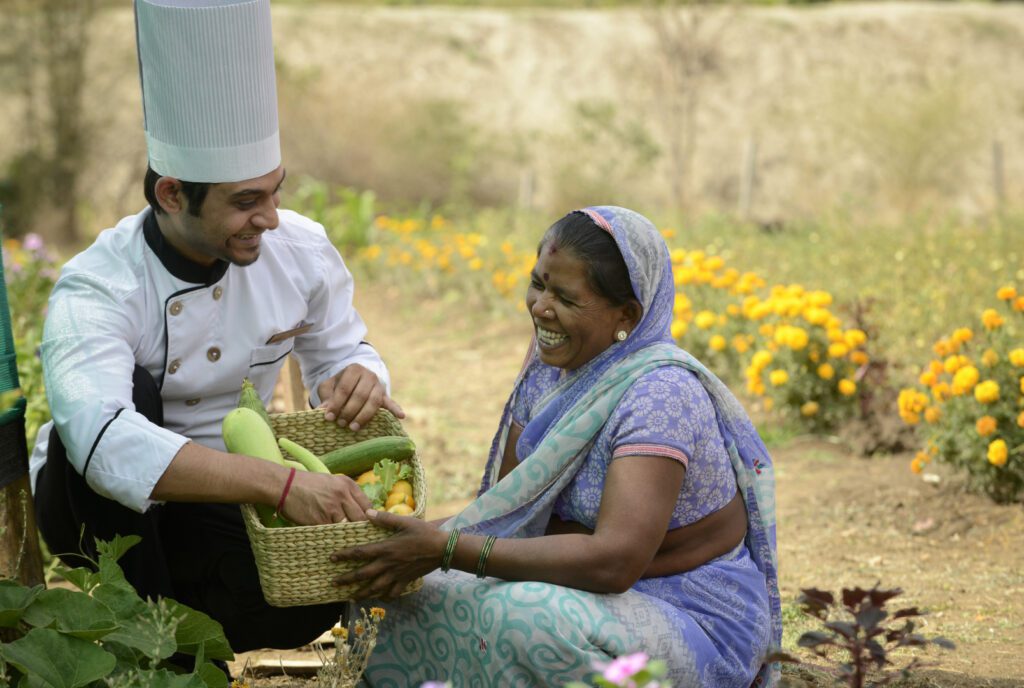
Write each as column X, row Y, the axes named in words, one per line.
column 195, row 193
column 606, row 269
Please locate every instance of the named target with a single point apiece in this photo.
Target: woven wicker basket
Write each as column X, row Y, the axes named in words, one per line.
column 294, row 563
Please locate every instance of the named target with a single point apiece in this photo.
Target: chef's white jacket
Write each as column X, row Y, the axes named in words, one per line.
column 132, row 299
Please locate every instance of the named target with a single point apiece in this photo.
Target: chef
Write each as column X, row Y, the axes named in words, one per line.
column 151, row 330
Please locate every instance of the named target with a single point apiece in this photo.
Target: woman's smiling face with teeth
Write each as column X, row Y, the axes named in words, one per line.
column 573, row 323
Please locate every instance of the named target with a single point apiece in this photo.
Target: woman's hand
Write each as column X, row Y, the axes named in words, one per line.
column 413, row 551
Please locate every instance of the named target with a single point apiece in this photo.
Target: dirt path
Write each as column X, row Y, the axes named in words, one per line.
column 843, row 520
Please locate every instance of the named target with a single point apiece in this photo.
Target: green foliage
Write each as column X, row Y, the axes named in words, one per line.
column 346, row 213
column 104, row 630
column 30, row 271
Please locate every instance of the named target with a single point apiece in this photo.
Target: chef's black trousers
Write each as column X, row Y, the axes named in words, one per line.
column 197, row 554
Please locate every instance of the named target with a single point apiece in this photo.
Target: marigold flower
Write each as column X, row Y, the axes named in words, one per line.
column 377, row 613
column 717, row 343
column 847, row 387
column 941, row 392
column 838, row 349
column 986, row 425
column 962, row 335
column 339, row 632
column 1016, row 357
column 1007, row 293
column 678, row 329
column 990, row 358
column 997, row 453
column 987, row 392
column 936, row 367
column 1022, row 385
column 927, row 378
column 797, row 338
column 965, row 379
column 952, row 364
column 859, row 357
column 1018, row 304
column 942, row 348
column 1020, row 420
column 761, row 359
column 916, row 464
column 740, row 343
column 932, row 414
column 809, row 409
column 855, row 338
column 705, row 320
column 778, row 377
column 826, row 371
column 767, row 403
column 991, row 319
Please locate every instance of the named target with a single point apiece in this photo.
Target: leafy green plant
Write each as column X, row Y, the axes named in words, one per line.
column 859, row 627
column 103, row 633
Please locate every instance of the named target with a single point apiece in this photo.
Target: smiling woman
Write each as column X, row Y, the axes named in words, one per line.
column 626, row 506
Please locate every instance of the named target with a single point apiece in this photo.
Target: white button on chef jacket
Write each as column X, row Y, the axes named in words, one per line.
column 115, row 305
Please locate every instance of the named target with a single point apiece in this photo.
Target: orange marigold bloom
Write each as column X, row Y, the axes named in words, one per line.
column 1007, row 293
column 986, row 425
column 932, row 414
column 991, row 319
column 998, row 453
column 1020, row 420
column 859, row 357
column 847, row 387
column 1018, row 304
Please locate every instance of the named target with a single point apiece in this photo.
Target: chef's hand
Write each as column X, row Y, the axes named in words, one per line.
column 352, row 397
column 316, row 498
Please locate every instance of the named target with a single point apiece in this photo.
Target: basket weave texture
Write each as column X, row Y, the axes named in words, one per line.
column 294, row 563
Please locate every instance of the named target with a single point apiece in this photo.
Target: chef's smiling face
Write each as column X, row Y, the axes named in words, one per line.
column 231, row 220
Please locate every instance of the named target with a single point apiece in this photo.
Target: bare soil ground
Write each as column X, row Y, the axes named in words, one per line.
column 843, row 520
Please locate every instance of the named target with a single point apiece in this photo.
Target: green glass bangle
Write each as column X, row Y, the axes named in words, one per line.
column 449, row 550
column 485, row 552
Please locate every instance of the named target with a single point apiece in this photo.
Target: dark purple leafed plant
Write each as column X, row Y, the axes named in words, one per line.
column 861, row 628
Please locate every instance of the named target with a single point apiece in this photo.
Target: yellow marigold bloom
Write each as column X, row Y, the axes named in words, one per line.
column 961, row 335
column 859, row 357
column 714, row 263
column 989, row 358
column 778, row 377
column 838, row 349
column 826, row 371
column 932, row 414
column 371, row 252
column 936, row 367
column 741, row 343
column 1017, row 358
column 476, row 264
column 705, row 320
column 1022, row 385
column 809, row 409
column 987, row 392
column 733, row 310
column 377, row 613
column 339, row 632
column 766, row 330
column 927, row 378
column 678, row 329
column 855, row 338
column 815, row 315
column 761, row 359
column 819, row 299
column 1007, row 293
column 1020, row 420
column 942, row 348
column 796, row 338
column 1018, row 304
column 997, row 453
column 835, row 334
column 847, row 387
column 952, row 364
column 965, row 379
column 991, row 319
column 941, row 392
column 986, row 425
column 911, row 401
column 717, row 343
column 814, row 355
column 760, row 311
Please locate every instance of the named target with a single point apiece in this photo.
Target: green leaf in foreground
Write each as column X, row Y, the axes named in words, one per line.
column 199, row 630
column 14, row 600
column 151, row 632
column 71, row 612
column 62, row 661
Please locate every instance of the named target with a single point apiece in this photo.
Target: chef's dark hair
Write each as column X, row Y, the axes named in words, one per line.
column 195, row 193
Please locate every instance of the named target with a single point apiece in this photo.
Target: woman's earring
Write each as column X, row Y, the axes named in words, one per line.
column 621, row 335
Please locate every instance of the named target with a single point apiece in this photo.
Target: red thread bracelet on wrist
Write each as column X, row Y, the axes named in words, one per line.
column 284, row 492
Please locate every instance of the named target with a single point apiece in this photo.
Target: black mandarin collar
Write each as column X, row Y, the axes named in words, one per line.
column 177, row 264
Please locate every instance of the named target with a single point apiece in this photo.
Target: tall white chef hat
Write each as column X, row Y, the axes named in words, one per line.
column 209, row 93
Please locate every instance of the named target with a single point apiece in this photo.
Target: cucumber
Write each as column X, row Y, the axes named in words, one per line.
column 360, row 457
column 250, row 399
column 302, row 455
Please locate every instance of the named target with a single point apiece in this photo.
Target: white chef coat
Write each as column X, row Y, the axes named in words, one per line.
column 132, row 299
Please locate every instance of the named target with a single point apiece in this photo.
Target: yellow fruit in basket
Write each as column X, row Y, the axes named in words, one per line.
column 403, row 486
column 368, row 478
column 399, row 498
column 401, row 510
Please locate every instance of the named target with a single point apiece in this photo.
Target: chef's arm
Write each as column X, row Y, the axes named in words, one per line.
column 200, row 474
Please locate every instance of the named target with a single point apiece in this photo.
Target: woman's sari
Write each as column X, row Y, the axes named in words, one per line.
column 711, row 625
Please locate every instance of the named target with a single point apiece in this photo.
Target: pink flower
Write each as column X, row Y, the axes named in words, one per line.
column 32, row 242
column 625, row 667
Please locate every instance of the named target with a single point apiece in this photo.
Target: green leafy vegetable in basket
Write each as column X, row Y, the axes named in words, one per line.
column 388, row 473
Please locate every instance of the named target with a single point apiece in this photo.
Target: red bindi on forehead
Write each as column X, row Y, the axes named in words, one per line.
column 546, row 276
column 552, row 249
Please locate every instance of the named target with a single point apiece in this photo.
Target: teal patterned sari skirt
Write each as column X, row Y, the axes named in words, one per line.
column 706, row 624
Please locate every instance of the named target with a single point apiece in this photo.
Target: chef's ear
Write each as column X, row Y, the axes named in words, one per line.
column 168, row 195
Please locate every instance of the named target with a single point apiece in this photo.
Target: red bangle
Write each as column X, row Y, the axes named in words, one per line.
column 284, row 492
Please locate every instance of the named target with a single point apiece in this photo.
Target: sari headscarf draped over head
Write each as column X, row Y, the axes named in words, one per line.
column 570, row 416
